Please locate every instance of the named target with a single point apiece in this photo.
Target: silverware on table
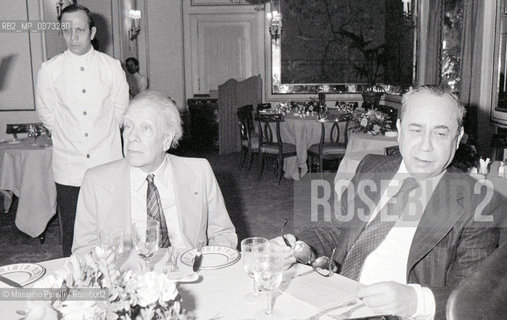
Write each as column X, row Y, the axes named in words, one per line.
column 198, row 256
column 347, row 303
column 10, row 282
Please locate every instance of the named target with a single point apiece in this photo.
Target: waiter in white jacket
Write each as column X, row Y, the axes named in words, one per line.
column 81, row 97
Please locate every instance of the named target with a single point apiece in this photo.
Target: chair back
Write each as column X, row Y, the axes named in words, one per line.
column 265, row 130
column 483, row 294
column 334, row 133
column 245, row 122
column 263, row 106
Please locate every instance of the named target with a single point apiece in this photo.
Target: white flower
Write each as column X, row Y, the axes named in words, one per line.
column 39, row 310
column 78, row 310
column 155, row 287
column 364, row 122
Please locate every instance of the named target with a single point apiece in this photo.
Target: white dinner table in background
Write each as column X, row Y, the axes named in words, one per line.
column 26, row 170
column 302, row 132
column 359, row 145
column 221, row 293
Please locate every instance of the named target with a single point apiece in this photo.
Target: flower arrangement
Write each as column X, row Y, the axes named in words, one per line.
column 128, row 295
column 370, row 121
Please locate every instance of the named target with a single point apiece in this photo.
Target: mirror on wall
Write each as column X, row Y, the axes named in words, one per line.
column 342, row 46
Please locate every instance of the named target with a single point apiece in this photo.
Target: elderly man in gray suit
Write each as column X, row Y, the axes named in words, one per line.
column 181, row 193
column 409, row 227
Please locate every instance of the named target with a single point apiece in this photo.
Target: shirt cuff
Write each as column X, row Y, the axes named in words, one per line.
column 426, row 306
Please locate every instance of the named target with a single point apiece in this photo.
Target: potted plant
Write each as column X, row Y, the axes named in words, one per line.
column 371, row 67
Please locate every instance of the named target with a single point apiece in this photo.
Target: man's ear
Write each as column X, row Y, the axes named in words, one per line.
column 460, row 135
column 93, row 31
column 398, row 126
column 168, row 140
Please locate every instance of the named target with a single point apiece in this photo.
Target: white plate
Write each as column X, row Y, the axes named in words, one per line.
column 23, row 273
column 213, row 257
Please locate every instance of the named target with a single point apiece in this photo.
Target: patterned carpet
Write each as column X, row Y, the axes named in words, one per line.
column 256, row 208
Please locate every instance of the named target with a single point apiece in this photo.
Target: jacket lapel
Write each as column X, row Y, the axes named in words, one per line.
column 441, row 214
column 187, row 198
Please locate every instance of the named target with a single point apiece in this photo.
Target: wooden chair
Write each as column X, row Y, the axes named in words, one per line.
column 331, row 150
column 249, row 139
column 270, row 148
column 392, row 150
column 263, row 106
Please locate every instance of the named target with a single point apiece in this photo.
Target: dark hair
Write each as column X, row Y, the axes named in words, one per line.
column 134, row 60
column 75, row 8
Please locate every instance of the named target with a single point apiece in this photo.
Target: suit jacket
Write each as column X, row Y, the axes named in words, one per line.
column 450, row 241
column 104, row 201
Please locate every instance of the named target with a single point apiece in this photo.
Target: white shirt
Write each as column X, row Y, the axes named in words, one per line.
column 163, row 180
column 81, row 100
column 389, row 261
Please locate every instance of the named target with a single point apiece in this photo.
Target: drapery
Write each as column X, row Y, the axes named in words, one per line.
column 433, row 31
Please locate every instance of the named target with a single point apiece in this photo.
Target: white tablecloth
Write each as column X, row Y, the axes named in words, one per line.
column 303, row 132
column 221, row 294
column 26, row 170
column 359, row 145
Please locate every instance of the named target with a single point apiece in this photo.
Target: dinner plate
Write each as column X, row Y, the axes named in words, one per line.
column 213, row 257
column 23, row 273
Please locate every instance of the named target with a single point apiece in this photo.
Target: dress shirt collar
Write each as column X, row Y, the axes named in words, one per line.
column 402, row 174
column 80, row 59
column 138, row 176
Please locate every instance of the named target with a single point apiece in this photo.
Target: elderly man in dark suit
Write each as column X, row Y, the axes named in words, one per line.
column 409, row 227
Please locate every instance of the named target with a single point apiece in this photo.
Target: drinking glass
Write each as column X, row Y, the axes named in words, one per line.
column 112, row 240
column 268, row 271
column 248, row 251
column 32, row 134
column 146, row 241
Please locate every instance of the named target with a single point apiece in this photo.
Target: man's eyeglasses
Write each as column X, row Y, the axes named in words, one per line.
column 325, row 266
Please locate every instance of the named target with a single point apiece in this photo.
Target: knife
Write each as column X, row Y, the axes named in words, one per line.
column 198, row 257
column 10, row 282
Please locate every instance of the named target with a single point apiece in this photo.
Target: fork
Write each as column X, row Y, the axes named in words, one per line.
column 347, row 303
column 347, row 314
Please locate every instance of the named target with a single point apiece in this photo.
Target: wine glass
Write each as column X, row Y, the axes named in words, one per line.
column 248, row 251
column 146, row 241
column 112, row 240
column 268, row 271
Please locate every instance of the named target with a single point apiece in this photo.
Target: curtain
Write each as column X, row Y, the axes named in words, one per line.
column 433, row 31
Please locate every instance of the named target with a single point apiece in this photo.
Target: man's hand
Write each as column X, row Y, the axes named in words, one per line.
column 288, row 258
column 389, row 298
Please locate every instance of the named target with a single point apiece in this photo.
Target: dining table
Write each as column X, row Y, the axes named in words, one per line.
column 302, row 130
column 359, row 145
column 26, row 171
column 224, row 293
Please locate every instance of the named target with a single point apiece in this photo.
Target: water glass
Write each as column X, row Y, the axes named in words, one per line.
column 112, row 240
column 146, row 241
column 249, row 246
column 268, row 271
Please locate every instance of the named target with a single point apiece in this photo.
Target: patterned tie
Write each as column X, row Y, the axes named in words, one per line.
column 373, row 235
column 155, row 211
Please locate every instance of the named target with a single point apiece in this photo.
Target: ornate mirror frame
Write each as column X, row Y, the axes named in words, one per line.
column 275, row 90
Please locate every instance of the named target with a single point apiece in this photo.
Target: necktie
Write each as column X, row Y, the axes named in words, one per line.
column 155, row 211
column 373, row 235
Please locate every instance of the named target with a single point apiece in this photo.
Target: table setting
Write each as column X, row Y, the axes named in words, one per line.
column 206, row 282
column 26, row 171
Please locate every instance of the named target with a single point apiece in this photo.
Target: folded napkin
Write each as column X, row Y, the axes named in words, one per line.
column 483, row 166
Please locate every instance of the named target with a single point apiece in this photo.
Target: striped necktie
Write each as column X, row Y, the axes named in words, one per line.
column 155, row 211
column 373, row 235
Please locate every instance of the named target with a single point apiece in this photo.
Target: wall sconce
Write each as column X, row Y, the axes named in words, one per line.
column 407, row 9
column 135, row 28
column 275, row 20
